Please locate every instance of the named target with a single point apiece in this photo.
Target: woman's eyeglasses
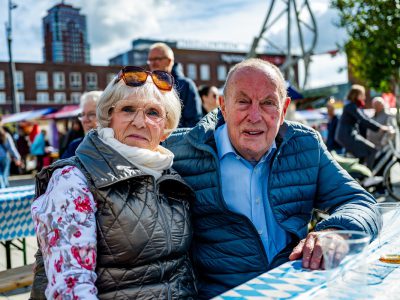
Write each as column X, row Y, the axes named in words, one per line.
column 152, row 115
column 136, row 76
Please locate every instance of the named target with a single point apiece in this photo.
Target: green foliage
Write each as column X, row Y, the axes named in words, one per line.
column 373, row 49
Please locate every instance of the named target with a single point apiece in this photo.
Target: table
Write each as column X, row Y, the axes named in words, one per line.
column 15, row 218
column 291, row 281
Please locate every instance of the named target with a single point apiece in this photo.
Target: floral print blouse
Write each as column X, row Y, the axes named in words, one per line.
column 65, row 225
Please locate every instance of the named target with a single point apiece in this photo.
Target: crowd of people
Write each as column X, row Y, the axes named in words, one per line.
column 169, row 191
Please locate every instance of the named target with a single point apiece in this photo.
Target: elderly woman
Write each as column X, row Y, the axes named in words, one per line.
column 113, row 221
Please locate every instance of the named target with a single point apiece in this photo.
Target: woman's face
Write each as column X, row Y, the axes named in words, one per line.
column 139, row 123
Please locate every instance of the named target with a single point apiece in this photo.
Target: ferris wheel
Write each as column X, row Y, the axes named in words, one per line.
column 300, row 23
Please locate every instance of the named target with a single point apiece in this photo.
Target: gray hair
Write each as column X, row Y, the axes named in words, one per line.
column 264, row 66
column 380, row 100
column 89, row 96
column 115, row 92
column 167, row 49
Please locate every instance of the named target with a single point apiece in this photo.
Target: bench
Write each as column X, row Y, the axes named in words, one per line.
column 12, row 279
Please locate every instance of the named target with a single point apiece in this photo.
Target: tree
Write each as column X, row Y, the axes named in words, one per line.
column 373, row 49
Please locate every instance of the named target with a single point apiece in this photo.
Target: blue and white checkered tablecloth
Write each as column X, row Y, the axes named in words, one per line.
column 291, row 281
column 15, row 212
column 285, row 282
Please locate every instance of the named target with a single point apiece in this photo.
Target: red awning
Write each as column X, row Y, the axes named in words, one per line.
column 68, row 111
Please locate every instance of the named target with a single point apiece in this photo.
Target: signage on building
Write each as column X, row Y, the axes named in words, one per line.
column 232, row 58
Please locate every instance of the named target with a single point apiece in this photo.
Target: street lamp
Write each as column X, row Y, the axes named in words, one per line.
column 14, row 98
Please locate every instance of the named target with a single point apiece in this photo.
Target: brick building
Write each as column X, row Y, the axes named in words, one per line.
column 51, row 85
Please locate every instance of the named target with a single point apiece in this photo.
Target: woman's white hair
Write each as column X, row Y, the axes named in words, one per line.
column 115, row 92
column 89, row 96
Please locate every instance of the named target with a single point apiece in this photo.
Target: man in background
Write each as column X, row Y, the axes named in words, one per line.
column 161, row 57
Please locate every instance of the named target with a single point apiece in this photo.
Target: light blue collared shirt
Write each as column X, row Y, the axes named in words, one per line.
column 245, row 191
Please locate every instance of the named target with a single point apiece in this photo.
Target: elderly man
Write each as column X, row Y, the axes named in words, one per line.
column 87, row 117
column 380, row 139
column 161, row 57
column 257, row 179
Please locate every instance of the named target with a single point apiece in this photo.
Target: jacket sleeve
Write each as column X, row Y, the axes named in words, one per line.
column 11, row 147
column 363, row 120
column 191, row 112
column 349, row 205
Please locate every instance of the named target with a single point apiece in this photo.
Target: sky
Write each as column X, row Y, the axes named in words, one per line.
column 112, row 25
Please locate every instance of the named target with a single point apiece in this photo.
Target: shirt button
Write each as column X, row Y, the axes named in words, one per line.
column 260, row 232
column 237, row 157
column 258, row 200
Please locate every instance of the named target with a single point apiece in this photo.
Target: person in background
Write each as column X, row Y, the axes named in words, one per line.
column 161, row 57
column 75, row 132
column 382, row 116
column 38, row 149
column 209, row 98
column 8, row 152
column 113, row 222
column 333, row 120
column 348, row 131
column 87, row 117
column 34, row 131
column 22, row 144
column 257, row 180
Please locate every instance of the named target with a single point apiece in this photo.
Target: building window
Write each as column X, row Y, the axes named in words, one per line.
column 59, row 97
column 91, row 81
column 110, row 77
column 41, row 80
column 191, row 71
column 2, row 97
column 75, row 97
column 221, row 72
column 204, row 72
column 58, row 81
column 19, row 80
column 75, row 80
column 2, row 81
column 21, row 97
column 42, row 97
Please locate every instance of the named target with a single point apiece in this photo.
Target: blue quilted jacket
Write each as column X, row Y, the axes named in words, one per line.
column 227, row 250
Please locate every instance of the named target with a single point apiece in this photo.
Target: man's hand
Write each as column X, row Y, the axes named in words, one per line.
column 310, row 249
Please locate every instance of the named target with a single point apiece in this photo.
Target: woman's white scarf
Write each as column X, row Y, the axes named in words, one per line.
column 150, row 162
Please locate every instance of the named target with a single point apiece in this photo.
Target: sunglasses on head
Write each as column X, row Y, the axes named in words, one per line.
column 136, row 76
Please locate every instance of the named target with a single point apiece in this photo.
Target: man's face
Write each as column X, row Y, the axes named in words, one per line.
column 158, row 60
column 253, row 111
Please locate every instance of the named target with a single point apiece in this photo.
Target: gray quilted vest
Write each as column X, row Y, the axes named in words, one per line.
column 143, row 227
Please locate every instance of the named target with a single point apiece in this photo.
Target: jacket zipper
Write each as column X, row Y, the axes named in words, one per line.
column 227, row 211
